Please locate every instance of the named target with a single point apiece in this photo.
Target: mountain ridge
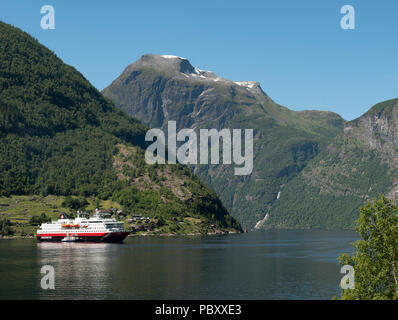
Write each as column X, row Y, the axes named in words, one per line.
column 154, row 90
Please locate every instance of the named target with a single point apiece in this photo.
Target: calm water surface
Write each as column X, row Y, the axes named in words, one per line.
column 258, row 265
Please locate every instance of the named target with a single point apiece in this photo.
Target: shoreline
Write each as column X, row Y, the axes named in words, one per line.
column 226, row 233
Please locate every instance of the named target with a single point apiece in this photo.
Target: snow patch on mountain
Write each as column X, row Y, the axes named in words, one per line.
column 169, row 56
column 246, row 84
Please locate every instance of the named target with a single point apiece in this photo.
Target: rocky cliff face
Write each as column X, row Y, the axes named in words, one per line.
column 380, row 126
column 378, row 130
column 157, row 89
column 360, row 163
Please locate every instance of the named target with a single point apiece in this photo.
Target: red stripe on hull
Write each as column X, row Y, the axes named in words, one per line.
column 97, row 237
column 73, row 234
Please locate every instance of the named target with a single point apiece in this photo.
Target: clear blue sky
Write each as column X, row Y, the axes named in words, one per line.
column 295, row 49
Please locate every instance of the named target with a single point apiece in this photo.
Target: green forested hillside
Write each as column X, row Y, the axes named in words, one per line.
column 358, row 165
column 57, row 132
column 60, row 136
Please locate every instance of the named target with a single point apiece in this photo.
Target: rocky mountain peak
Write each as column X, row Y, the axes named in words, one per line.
column 181, row 68
column 166, row 63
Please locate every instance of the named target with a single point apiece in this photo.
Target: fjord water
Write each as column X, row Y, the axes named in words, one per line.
column 257, row 265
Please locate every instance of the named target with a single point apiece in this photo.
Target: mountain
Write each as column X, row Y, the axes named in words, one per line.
column 61, row 137
column 160, row 88
column 358, row 164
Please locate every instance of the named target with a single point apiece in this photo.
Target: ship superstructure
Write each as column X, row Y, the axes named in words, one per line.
column 100, row 227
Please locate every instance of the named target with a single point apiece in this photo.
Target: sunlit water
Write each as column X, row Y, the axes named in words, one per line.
column 259, row 265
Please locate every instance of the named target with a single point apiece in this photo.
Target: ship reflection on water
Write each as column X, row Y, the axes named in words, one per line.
column 140, row 268
column 81, row 269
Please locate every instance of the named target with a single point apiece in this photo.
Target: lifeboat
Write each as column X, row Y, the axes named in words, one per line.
column 70, row 225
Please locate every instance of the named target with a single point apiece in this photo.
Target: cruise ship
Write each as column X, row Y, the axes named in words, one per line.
column 101, row 227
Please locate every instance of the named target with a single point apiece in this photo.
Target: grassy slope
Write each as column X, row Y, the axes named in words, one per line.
column 19, row 209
